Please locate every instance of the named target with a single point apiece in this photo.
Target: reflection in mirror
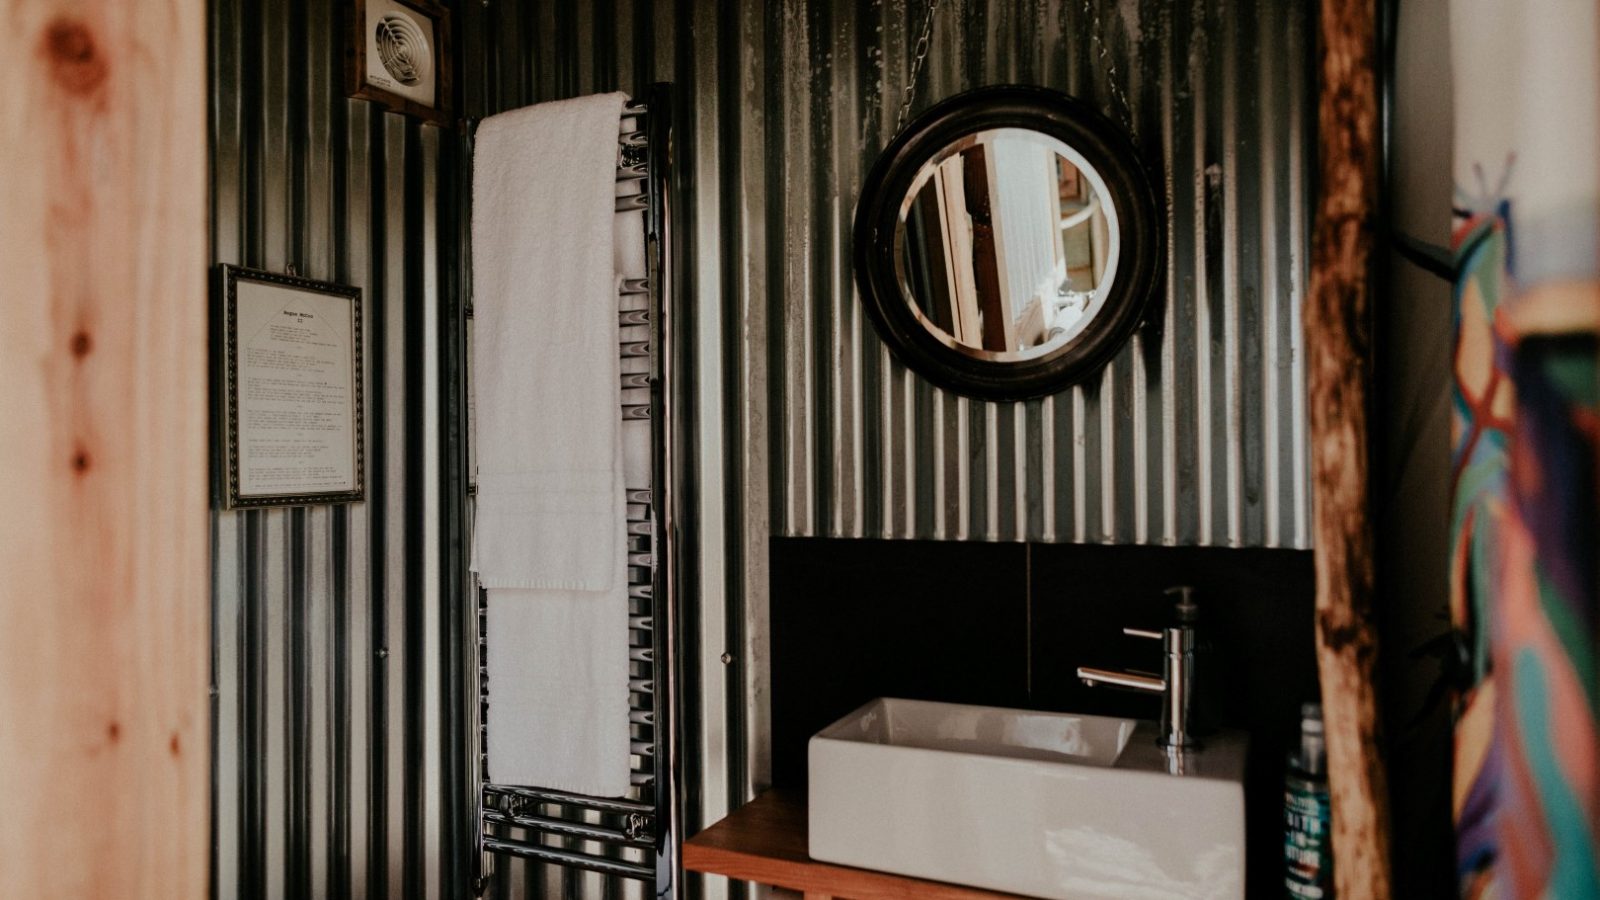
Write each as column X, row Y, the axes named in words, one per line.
column 1006, row 244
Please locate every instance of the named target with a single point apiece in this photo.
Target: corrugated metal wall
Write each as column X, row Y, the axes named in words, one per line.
column 1195, row 434
column 338, row 640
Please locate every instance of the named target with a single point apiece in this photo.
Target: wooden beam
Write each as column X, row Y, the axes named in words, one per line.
column 1338, row 322
column 104, row 741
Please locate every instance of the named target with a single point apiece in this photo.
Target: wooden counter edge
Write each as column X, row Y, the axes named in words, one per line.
column 764, row 841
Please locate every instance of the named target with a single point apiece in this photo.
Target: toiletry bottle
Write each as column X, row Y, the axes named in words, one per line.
column 1308, row 820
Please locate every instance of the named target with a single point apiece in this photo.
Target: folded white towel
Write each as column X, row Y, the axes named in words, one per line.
column 545, row 364
column 550, row 531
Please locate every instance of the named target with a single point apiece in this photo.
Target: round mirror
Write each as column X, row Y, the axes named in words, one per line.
column 1007, row 242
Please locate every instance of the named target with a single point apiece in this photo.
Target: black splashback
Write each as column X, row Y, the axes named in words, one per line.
column 1008, row 625
column 858, row 619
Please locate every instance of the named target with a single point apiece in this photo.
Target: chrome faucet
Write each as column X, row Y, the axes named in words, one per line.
column 1176, row 684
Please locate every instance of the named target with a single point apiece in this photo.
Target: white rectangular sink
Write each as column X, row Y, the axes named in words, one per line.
column 1041, row 804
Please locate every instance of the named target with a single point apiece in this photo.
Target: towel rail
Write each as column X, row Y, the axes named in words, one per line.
column 604, row 865
column 635, row 836
column 561, row 826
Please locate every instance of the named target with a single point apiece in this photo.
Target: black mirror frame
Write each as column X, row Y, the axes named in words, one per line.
column 1141, row 232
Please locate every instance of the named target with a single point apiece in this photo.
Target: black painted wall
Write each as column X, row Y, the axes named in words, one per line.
column 1008, row 624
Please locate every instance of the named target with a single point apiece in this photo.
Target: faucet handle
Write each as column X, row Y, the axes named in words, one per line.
column 1184, row 610
column 1185, row 613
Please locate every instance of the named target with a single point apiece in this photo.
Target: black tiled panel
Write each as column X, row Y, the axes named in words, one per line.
column 1256, row 609
column 858, row 619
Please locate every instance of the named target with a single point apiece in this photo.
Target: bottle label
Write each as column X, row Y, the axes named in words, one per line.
column 1306, row 846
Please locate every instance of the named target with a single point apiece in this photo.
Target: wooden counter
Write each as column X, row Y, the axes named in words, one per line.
column 765, row 842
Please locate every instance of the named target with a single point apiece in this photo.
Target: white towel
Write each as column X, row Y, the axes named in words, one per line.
column 545, row 364
column 558, row 691
column 550, row 531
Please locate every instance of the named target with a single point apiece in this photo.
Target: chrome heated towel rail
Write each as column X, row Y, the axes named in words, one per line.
column 635, row 836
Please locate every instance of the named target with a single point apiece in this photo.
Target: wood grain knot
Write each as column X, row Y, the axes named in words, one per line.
column 75, row 61
column 113, row 731
column 173, row 744
column 80, row 461
column 81, row 344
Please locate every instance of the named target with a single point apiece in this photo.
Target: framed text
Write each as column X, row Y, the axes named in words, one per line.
column 291, row 377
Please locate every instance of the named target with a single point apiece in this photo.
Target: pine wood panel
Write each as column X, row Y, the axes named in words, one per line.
column 1338, row 323
column 103, row 603
column 765, row 841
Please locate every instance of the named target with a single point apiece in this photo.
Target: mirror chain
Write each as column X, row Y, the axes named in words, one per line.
column 917, row 56
column 1124, row 110
column 920, row 53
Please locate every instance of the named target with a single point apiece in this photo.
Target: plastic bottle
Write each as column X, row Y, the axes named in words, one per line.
column 1308, row 820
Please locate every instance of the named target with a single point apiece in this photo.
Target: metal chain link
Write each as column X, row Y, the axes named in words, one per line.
column 1124, row 109
column 918, row 54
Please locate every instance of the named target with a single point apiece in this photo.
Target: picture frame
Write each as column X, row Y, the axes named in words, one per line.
column 398, row 56
column 289, row 370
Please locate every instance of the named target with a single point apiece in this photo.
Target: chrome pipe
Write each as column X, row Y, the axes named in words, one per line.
column 564, row 827
column 567, row 798
column 662, row 251
column 571, row 858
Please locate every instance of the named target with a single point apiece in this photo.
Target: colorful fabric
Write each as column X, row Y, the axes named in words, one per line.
column 1525, row 567
column 1549, row 618
column 1525, row 574
column 1481, row 395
